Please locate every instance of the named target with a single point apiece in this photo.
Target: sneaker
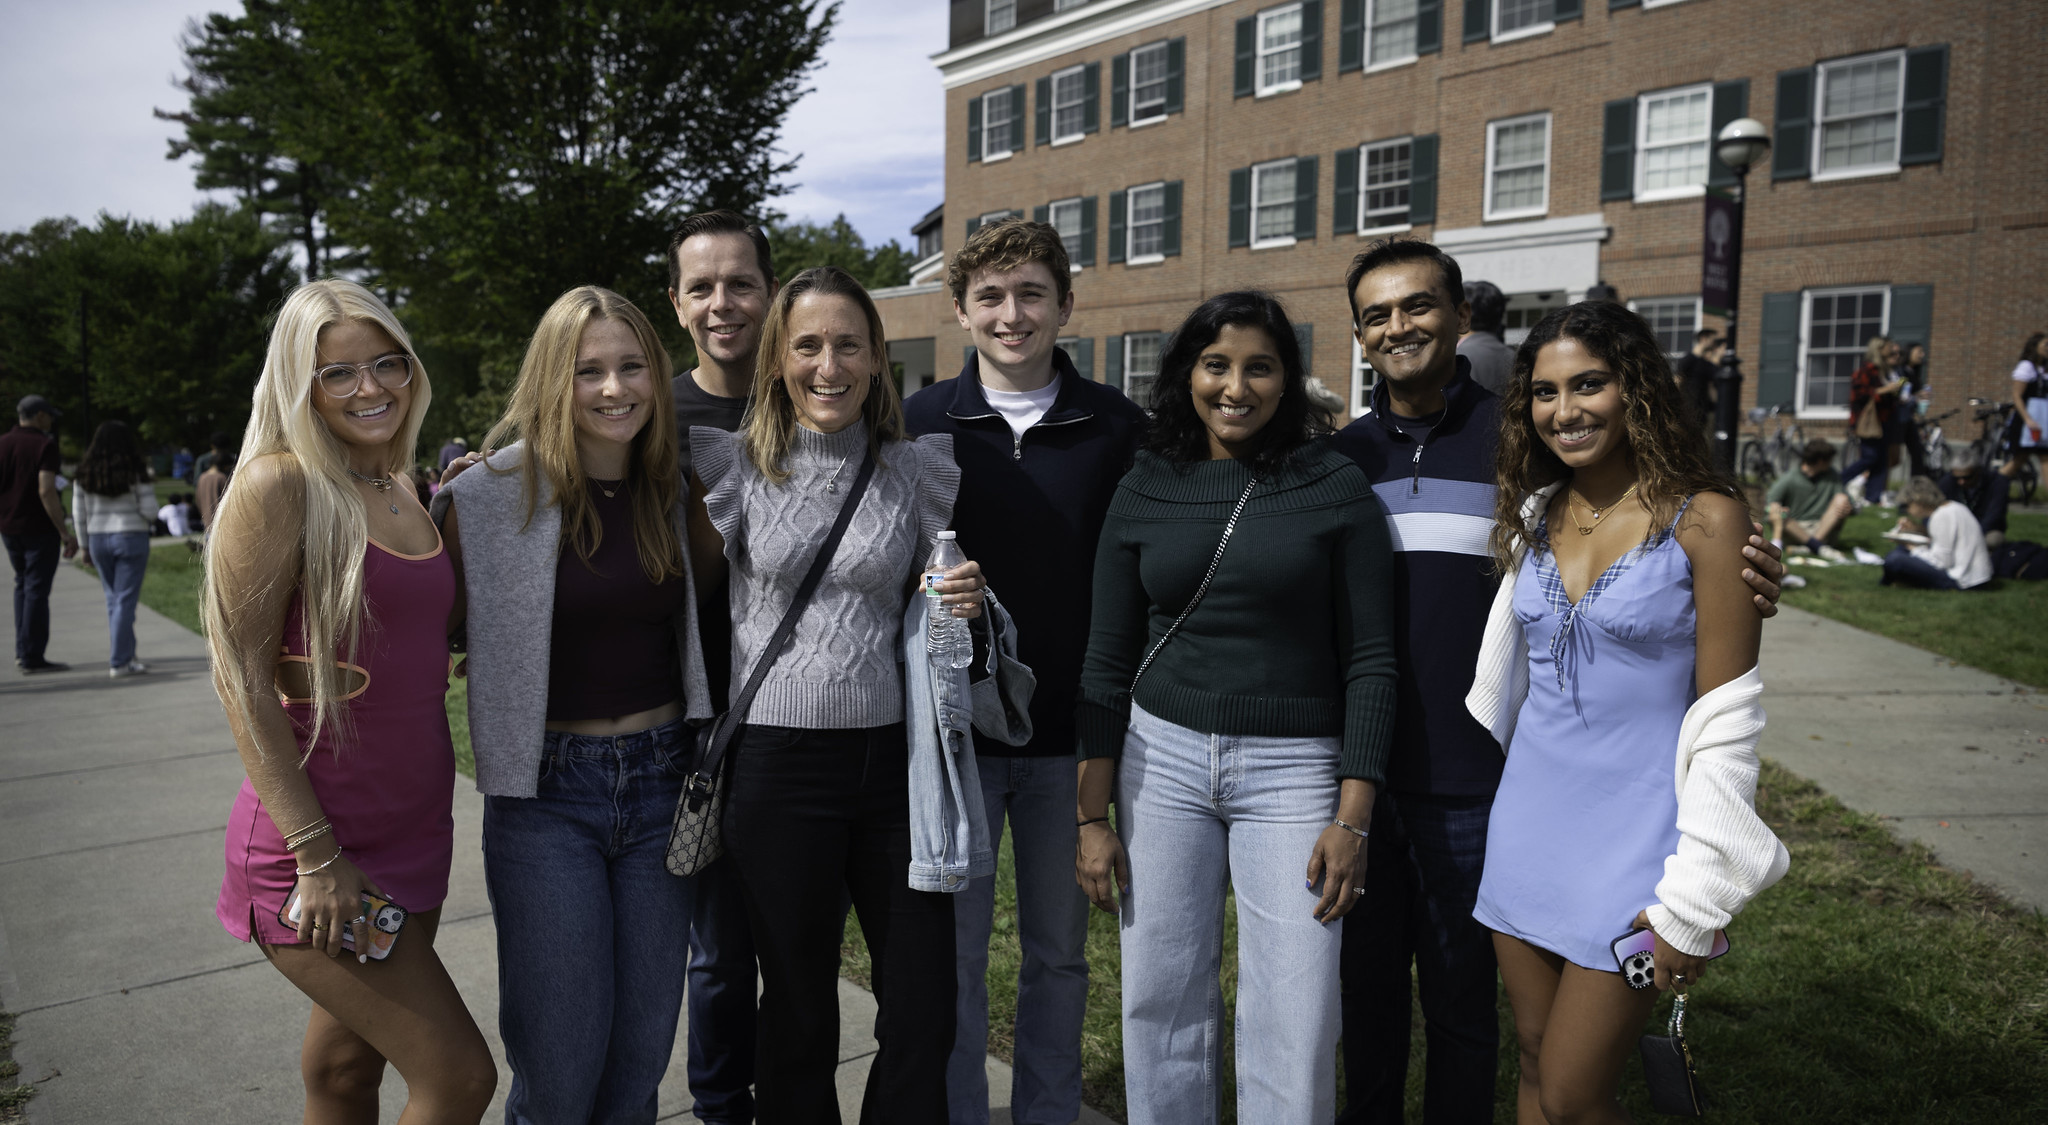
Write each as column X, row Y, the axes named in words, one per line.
column 1868, row 559
column 1792, row 582
column 1832, row 554
column 44, row 666
column 132, row 668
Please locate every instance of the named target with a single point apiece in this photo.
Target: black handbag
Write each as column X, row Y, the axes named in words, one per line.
column 693, row 840
column 1668, row 1070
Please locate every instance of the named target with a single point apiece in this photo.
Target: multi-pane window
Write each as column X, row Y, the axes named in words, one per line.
column 1068, row 92
column 1672, row 320
column 1273, row 203
column 1390, row 36
column 1860, row 102
column 1518, row 167
column 1065, row 217
column 1511, row 16
column 929, row 240
column 995, row 124
column 1279, row 43
column 1148, row 83
column 1839, row 324
column 1385, row 172
column 1002, row 15
column 1673, row 131
column 1146, row 224
column 1141, row 364
column 997, row 217
column 1063, row 5
column 1362, row 379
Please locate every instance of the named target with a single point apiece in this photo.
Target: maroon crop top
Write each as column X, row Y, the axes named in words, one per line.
column 613, row 651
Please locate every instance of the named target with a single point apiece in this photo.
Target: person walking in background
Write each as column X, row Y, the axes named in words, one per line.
column 1873, row 398
column 584, row 666
column 2030, row 397
column 1484, row 346
column 1242, row 716
column 818, row 809
column 213, row 484
column 1948, row 551
column 181, row 466
column 455, row 447
column 34, row 528
column 1913, row 369
column 1040, row 449
column 1696, row 370
column 112, row 504
column 1623, row 630
column 220, row 445
column 1809, row 506
column 326, row 602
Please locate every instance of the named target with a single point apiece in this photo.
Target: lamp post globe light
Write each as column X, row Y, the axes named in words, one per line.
column 1741, row 144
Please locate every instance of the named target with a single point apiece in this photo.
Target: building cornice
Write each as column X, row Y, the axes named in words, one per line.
column 1058, row 34
column 1527, row 235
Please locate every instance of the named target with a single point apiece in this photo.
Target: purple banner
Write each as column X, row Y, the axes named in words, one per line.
column 1721, row 253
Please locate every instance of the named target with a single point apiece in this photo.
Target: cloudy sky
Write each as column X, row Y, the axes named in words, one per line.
column 78, row 81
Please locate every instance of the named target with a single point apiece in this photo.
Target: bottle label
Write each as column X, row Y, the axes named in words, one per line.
column 931, row 583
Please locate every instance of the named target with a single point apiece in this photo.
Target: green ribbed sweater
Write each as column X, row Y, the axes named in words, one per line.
column 1295, row 636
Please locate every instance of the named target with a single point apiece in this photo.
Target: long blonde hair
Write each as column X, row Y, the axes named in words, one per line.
column 770, row 426
column 337, row 529
column 542, row 413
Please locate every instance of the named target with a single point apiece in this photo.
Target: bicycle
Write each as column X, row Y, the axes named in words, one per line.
column 1995, row 421
column 1764, row 457
column 1934, row 443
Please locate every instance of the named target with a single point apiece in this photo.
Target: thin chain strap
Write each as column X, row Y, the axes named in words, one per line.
column 1203, row 588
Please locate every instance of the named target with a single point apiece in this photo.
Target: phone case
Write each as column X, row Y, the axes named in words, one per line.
column 1635, row 955
column 386, row 919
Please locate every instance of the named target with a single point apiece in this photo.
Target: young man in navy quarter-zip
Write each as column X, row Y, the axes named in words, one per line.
column 1427, row 444
column 1041, row 450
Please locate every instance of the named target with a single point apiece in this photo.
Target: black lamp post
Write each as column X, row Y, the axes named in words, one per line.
column 1742, row 143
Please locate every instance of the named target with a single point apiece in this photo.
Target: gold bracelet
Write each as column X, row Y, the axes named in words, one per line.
column 322, row 867
column 306, row 829
column 295, row 845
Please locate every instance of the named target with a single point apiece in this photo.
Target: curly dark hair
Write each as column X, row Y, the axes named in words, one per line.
column 113, row 463
column 1669, row 455
column 1177, row 432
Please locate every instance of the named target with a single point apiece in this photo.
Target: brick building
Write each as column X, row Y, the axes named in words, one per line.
column 1188, row 147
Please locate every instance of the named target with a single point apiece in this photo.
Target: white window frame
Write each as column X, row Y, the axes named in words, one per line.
column 1820, row 122
column 988, row 16
column 1361, row 387
column 1366, row 225
column 1541, row 28
column 1259, row 53
column 1276, row 242
column 988, row 217
column 1806, row 296
column 1372, row 8
column 1079, row 105
column 1064, row 5
column 1131, row 226
column 1131, row 105
column 1698, row 313
column 988, row 154
column 1493, row 214
column 1052, row 216
column 1067, row 344
column 1687, row 191
column 1661, row 3
column 1129, row 343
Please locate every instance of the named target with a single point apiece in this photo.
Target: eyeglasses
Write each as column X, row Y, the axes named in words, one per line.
column 343, row 380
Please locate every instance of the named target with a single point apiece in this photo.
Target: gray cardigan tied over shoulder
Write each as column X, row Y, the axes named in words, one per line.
column 508, row 570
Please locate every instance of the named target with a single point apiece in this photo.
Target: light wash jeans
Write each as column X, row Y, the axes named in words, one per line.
column 121, row 558
column 1201, row 814
column 1052, row 923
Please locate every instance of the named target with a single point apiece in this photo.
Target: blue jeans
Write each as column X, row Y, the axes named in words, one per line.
column 1904, row 568
column 1873, row 457
column 1421, row 882
column 120, row 558
column 591, row 957
column 1052, row 925
column 35, row 567
column 721, row 996
column 1202, row 814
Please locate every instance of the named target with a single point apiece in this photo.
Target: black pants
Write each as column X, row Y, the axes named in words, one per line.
column 816, row 817
column 34, row 557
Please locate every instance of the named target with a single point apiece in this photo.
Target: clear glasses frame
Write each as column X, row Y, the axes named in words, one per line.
column 345, row 380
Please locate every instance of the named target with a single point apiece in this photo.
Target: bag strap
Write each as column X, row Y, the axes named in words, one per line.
column 727, row 723
column 1214, row 562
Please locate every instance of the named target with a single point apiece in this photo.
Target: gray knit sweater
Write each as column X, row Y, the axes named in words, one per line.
column 840, row 669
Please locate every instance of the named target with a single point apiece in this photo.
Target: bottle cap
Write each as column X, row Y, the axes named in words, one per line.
column 947, row 535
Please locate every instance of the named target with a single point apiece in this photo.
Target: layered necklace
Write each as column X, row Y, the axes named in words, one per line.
column 381, row 484
column 1573, row 500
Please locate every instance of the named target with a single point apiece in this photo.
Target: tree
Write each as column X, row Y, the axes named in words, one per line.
column 799, row 246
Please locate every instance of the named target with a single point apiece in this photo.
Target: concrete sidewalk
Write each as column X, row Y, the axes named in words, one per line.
column 134, row 1004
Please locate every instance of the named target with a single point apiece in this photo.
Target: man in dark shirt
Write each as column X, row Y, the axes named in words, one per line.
column 455, row 447
column 1696, row 371
column 1985, row 494
column 32, row 525
column 1485, row 346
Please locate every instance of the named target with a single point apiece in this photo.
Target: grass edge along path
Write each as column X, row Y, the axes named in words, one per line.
column 14, row 1094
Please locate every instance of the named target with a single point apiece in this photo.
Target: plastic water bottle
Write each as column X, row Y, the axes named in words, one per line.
column 946, row 639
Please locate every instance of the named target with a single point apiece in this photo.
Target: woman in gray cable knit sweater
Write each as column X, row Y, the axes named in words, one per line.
column 818, row 810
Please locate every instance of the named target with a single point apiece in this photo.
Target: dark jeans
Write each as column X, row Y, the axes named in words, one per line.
column 1873, row 455
column 721, row 996
column 1421, row 881
column 35, row 566
column 1903, row 568
column 816, row 816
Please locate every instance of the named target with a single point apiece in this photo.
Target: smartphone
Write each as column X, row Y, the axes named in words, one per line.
column 1635, row 955
column 386, row 919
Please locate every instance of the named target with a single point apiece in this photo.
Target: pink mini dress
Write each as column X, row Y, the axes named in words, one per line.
column 389, row 787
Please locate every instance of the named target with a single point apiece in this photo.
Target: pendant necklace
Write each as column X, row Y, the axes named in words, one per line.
column 608, row 492
column 381, row 484
column 833, row 484
column 1598, row 513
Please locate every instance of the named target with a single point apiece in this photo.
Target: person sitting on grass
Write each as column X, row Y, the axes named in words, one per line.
column 1985, row 494
column 1808, row 507
column 1954, row 556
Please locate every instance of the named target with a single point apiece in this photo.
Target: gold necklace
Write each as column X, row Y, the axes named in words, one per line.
column 608, row 492
column 381, row 484
column 1598, row 513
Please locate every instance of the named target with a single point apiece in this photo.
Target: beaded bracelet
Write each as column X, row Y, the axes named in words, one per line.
column 312, row 831
column 302, row 841
column 322, row 867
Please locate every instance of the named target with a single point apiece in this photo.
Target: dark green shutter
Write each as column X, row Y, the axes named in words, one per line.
column 1920, row 133
column 1618, row 150
column 1084, row 357
column 974, row 128
column 1792, row 143
column 1120, row 91
column 1045, row 111
column 1613, row 4
column 1731, row 100
column 1176, row 74
column 1113, row 361
column 1565, row 10
column 1169, row 227
column 1305, row 338
column 1344, row 201
column 1084, row 255
column 1247, row 56
column 1091, row 98
column 1305, row 197
column 1043, row 214
column 1422, row 179
column 1351, row 36
column 1116, row 226
column 1912, row 315
column 973, row 224
column 1241, row 207
column 1429, row 27
column 1777, row 367
column 1478, row 20
column 1017, row 117
column 1311, row 40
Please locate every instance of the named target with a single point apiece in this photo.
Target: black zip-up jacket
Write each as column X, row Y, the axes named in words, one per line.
column 1030, row 510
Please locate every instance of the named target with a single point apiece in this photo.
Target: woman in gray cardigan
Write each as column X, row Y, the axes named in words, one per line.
column 583, row 666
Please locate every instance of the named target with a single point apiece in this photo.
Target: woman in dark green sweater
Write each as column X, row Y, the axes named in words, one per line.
column 1248, row 696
